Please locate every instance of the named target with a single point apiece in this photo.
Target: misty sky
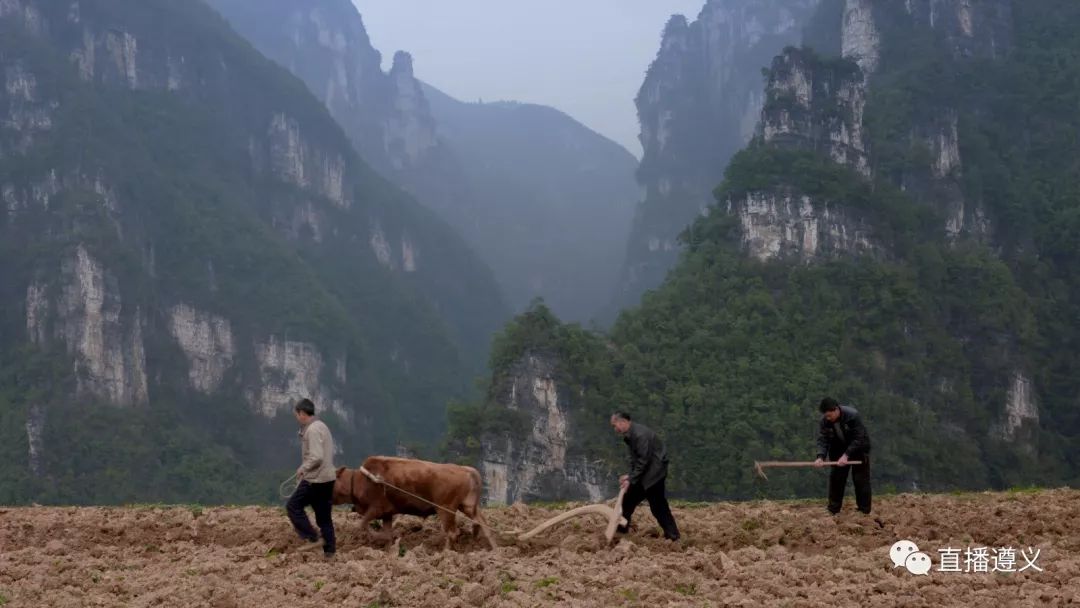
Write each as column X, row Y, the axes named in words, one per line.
column 584, row 57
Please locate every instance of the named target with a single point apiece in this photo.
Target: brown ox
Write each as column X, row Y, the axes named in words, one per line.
column 452, row 487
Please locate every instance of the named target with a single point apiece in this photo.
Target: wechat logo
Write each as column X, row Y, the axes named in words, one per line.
column 905, row 553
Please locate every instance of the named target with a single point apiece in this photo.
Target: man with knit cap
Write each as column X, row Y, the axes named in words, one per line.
column 316, row 476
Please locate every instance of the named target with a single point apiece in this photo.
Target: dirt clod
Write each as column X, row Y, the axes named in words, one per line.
column 731, row 554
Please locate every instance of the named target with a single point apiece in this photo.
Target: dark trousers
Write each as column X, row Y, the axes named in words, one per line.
column 657, row 498
column 860, row 478
column 319, row 496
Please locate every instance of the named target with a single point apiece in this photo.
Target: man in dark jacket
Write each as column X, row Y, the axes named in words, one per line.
column 842, row 437
column 648, row 469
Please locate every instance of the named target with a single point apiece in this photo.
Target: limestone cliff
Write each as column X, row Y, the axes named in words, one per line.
column 702, row 101
column 816, row 106
column 540, row 433
column 543, row 200
column 539, row 462
column 699, row 104
column 900, row 231
column 386, row 117
column 779, row 224
column 844, row 109
column 963, row 29
column 182, row 223
column 819, row 103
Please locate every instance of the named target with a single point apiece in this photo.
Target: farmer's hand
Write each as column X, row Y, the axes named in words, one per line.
column 624, row 482
column 299, row 473
column 819, row 463
column 842, row 461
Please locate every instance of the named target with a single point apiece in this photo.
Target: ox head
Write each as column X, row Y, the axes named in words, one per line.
column 343, row 487
column 351, row 487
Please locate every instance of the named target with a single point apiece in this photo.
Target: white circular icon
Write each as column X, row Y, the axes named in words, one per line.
column 900, row 551
column 918, row 563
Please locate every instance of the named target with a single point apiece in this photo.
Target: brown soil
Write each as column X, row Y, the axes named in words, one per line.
column 732, row 554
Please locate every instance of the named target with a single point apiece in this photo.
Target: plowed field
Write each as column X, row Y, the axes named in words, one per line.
column 732, row 554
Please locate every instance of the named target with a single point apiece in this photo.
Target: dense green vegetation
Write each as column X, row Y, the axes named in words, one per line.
column 95, row 453
column 199, row 220
column 730, row 356
column 727, row 359
column 1023, row 144
column 582, row 363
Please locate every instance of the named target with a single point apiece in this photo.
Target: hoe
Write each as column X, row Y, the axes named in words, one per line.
column 759, row 466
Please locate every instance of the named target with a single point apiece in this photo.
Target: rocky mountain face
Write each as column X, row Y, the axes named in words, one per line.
column 326, row 45
column 899, row 233
column 533, row 437
column 541, row 463
column 384, row 114
column 855, row 110
column 189, row 244
column 699, row 104
column 818, row 103
column 543, row 200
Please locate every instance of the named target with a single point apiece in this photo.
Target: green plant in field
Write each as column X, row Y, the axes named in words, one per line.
column 507, row 583
column 686, row 588
column 451, row 584
column 750, row 524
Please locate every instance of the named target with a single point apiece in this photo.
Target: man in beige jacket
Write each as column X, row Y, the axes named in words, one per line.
column 316, row 476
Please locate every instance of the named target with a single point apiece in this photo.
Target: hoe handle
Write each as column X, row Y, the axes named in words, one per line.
column 759, row 467
column 802, row 463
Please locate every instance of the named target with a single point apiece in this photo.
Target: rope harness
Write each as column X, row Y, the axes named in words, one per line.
column 386, row 484
column 281, row 488
column 516, row 534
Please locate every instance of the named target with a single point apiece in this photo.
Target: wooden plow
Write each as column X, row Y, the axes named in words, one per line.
column 613, row 515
